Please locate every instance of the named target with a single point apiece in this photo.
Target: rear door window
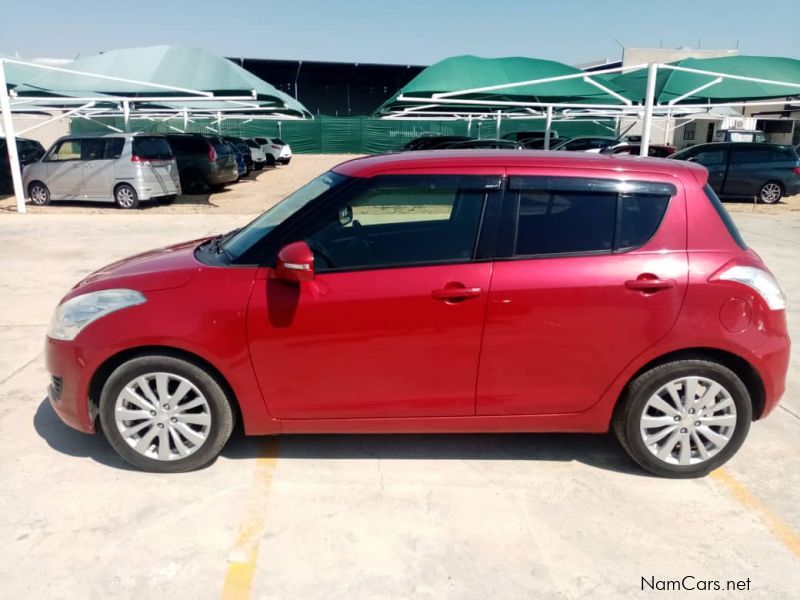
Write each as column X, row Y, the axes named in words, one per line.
column 114, row 148
column 568, row 216
column 750, row 154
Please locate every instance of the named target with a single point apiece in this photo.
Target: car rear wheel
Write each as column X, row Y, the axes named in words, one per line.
column 770, row 193
column 193, row 183
column 165, row 414
column 39, row 194
column 684, row 418
column 125, row 196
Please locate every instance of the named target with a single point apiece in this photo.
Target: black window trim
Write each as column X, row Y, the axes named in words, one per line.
column 482, row 251
column 516, row 183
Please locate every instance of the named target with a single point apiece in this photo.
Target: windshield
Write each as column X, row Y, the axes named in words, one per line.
column 253, row 143
column 256, row 230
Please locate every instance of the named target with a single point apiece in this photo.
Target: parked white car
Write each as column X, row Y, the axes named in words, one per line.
column 257, row 154
column 277, row 151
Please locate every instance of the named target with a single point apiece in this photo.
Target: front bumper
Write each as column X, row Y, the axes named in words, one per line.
column 68, row 391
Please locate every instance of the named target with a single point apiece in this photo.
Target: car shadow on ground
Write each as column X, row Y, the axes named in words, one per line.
column 600, row 451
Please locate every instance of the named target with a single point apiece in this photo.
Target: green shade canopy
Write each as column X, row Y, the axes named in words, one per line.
column 174, row 66
column 469, row 72
column 672, row 84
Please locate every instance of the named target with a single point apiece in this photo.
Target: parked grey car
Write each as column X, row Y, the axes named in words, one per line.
column 125, row 168
column 744, row 170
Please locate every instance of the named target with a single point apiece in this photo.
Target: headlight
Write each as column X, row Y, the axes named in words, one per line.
column 76, row 313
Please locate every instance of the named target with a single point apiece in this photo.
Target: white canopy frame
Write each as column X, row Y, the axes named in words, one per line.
column 451, row 107
column 184, row 102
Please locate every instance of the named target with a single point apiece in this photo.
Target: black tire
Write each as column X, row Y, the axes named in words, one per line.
column 193, row 183
column 126, row 197
column 222, row 415
column 626, row 419
column 39, row 194
column 270, row 160
column 770, row 192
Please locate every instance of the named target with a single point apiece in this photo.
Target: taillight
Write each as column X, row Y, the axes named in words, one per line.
column 796, row 170
column 759, row 280
column 212, row 154
column 274, row 147
column 138, row 159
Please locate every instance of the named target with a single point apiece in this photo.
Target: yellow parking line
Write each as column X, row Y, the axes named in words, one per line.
column 782, row 530
column 242, row 565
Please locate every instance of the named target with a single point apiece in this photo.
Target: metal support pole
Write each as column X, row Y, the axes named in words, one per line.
column 11, row 141
column 497, row 134
column 548, row 123
column 469, row 125
column 667, row 119
column 126, row 112
column 650, row 97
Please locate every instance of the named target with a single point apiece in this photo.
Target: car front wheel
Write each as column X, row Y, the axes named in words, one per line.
column 40, row 195
column 684, row 418
column 165, row 414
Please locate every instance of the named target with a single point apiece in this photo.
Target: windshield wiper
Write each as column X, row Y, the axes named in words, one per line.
column 217, row 244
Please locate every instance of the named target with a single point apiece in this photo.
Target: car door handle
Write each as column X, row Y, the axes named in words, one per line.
column 454, row 292
column 647, row 282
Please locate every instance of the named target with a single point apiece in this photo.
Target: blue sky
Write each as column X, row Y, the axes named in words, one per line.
column 399, row 31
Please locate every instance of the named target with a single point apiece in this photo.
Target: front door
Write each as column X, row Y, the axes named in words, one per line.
column 391, row 326
column 65, row 171
column 715, row 159
column 594, row 274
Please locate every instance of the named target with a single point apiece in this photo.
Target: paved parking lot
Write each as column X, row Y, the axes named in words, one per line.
column 444, row 516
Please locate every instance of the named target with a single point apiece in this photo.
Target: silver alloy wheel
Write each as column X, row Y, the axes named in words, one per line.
column 162, row 416
column 688, row 421
column 125, row 197
column 770, row 193
column 38, row 194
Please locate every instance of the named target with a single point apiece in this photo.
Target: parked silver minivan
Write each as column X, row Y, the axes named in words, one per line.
column 125, row 168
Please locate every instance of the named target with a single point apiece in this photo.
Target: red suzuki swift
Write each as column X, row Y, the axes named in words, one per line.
column 471, row 291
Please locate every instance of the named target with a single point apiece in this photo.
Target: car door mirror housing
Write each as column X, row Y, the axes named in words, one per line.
column 295, row 263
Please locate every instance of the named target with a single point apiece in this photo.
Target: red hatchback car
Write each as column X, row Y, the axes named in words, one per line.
column 471, row 291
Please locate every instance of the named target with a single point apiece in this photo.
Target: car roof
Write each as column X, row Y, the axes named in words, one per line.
column 484, row 161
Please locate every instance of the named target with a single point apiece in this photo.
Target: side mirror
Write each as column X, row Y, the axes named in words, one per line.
column 295, row 263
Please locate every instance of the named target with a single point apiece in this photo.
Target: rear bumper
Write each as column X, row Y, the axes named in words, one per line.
column 219, row 177
column 773, row 367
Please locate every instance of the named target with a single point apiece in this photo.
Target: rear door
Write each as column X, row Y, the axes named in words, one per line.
column 65, row 170
column 593, row 272
column 98, row 156
column 752, row 165
column 391, row 326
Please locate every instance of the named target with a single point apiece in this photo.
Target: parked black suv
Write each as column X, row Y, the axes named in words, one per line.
column 29, row 151
column 746, row 170
column 202, row 163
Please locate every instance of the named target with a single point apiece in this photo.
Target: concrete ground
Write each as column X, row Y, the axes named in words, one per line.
column 471, row 516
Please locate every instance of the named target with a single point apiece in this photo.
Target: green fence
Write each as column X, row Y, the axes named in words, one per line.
column 348, row 135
